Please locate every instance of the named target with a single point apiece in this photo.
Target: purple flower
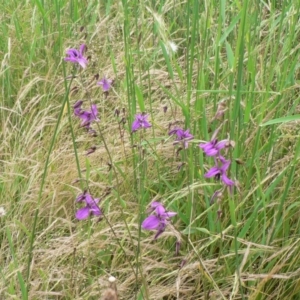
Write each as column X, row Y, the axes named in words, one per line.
column 182, row 136
column 87, row 116
column 91, row 150
column 77, row 108
column 213, row 147
column 220, row 172
column 159, row 220
column 105, row 83
column 76, row 56
column 140, row 122
column 91, row 206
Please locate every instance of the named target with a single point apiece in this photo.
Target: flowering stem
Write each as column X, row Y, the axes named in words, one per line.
column 121, row 130
column 191, row 201
column 236, row 243
column 118, row 242
column 118, row 195
column 118, row 185
column 158, row 161
column 141, row 164
column 73, row 139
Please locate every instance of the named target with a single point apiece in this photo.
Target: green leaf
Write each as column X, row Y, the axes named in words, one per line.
column 230, row 55
column 167, row 59
column 40, row 7
column 282, row 120
column 87, row 169
column 230, row 28
column 22, row 286
column 140, row 98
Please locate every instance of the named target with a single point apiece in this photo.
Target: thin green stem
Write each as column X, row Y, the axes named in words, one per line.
column 36, row 214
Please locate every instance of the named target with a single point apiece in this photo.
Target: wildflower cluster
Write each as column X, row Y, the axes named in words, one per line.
column 182, row 136
column 158, row 220
column 91, row 206
column 76, row 56
column 219, row 170
column 88, row 117
column 159, row 217
column 105, row 83
column 141, row 121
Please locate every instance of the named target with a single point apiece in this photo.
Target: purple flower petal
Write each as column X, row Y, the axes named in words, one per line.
column 81, row 197
column 146, row 124
column 182, row 135
column 94, row 111
column 220, row 172
column 158, row 220
column 176, row 131
column 160, row 230
column 82, row 213
column 95, row 210
column 97, row 200
column 73, row 53
column 169, row 214
column 90, row 208
column 151, row 222
column 89, row 199
column 82, row 49
column 212, row 172
column 159, row 209
column 225, row 166
column 135, row 125
column 75, row 56
column 87, row 117
column 209, row 148
column 77, row 108
column 154, row 204
column 105, row 83
column 187, row 135
column 222, row 144
column 82, row 62
column 226, row 180
column 140, row 122
column 213, row 147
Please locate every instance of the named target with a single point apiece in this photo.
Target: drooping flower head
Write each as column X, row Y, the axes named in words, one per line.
column 87, row 116
column 140, row 122
column 158, row 220
column 91, row 150
column 91, row 206
column 77, row 108
column 105, row 83
column 219, row 171
column 182, row 136
column 213, row 147
column 77, row 56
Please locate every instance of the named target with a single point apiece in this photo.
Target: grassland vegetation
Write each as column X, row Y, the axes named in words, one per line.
column 133, row 159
